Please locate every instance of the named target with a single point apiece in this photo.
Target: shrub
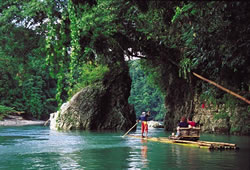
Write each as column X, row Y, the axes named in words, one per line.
column 4, row 110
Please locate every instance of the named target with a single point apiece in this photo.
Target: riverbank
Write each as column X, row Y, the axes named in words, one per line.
column 19, row 121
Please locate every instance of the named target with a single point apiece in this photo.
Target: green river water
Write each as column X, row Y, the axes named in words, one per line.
column 37, row 147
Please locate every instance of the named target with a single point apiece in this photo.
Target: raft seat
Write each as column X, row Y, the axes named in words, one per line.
column 189, row 133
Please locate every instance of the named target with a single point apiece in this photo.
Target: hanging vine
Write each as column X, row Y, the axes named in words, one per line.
column 75, row 45
column 56, row 50
column 62, row 56
column 50, row 39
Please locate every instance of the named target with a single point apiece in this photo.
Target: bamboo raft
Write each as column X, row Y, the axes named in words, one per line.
column 199, row 144
column 190, row 137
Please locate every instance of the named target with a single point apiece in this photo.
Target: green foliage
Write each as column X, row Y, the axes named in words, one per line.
column 241, row 125
column 25, row 84
column 175, row 37
column 160, row 116
column 230, row 102
column 90, row 74
column 33, row 96
column 4, row 111
column 144, row 96
column 227, row 103
column 25, row 88
column 185, row 65
column 85, row 33
column 221, row 115
column 236, row 129
column 210, row 38
column 208, row 96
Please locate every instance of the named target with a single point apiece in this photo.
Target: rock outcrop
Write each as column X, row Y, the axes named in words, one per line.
column 101, row 106
column 212, row 119
column 221, row 120
column 178, row 100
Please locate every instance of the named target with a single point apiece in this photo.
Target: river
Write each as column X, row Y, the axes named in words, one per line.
column 38, row 147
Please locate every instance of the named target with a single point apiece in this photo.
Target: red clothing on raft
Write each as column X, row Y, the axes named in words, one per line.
column 192, row 123
column 144, row 126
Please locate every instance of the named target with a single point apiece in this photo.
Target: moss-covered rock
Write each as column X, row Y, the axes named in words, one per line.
column 101, row 106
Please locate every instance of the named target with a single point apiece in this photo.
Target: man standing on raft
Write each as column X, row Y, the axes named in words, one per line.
column 144, row 124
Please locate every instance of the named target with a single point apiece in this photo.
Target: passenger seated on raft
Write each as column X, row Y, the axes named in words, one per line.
column 191, row 123
column 183, row 123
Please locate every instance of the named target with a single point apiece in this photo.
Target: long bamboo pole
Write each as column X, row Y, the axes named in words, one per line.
column 130, row 130
column 222, row 88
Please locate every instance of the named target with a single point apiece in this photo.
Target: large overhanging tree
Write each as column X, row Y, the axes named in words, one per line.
column 172, row 38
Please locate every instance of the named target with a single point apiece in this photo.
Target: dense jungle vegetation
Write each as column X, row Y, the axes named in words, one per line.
column 145, row 95
column 51, row 49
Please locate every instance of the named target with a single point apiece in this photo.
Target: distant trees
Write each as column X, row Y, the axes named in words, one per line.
column 145, row 96
column 24, row 82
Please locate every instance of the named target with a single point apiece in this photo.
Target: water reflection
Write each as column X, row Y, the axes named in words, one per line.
column 194, row 158
column 144, row 150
